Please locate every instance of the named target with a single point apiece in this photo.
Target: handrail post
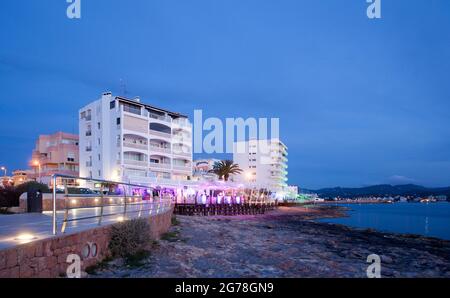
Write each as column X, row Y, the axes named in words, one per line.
column 54, row 206
column 66, row 205
column 102, row 204
column 125, row 201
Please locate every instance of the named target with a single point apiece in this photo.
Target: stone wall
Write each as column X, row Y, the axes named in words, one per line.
column 47, row 257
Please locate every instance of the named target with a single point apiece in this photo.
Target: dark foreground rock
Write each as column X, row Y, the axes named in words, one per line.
column 284, row 243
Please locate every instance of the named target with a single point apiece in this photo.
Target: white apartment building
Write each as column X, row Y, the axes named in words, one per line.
column 264, row 164
column 125, row 140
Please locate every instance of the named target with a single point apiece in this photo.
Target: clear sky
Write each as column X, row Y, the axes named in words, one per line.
column 360, row 101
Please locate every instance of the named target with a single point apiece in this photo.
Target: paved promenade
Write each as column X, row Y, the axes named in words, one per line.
column 40, row 225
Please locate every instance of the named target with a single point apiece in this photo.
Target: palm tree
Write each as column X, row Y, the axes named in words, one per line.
column 225, row 168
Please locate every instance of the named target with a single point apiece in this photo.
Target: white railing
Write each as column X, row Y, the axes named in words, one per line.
column 182, row 168
column 135, row 145
column 161, row 134
column 160, row 165
column 160, row 149
column 139, row 163
column 161, row 118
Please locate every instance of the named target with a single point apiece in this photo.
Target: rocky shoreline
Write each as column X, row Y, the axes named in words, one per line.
column 283, row 243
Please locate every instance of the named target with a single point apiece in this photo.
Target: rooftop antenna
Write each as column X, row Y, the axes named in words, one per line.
column 123, row 88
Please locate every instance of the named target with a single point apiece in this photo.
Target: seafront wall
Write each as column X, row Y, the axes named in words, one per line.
column 48, row 257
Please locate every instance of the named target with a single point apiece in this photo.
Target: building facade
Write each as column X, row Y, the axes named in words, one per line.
column 54, row 154
column 127, row 141
column 264, row 164
column 21, row 176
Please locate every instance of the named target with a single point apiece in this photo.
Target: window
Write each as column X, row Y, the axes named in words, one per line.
column 71, row 156
column 118, row 121
column 99, row 173
column 112, row 104
column 99, row 157
column 99, row 126
column 98, row 141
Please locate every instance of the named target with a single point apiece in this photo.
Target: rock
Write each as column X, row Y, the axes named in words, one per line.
column 386, row 259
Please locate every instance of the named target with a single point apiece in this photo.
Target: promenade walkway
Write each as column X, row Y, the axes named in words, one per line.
column 40, row 225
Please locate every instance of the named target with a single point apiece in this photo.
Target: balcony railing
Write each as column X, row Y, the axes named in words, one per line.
column 135, row 145
column 160, row 149
column 160, row 165
column 139, row 163
column 182, row 167
column 160, row 133
column 180, row 152
column 159, row 117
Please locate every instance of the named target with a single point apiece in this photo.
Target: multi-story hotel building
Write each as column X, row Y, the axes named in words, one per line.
column 125, row 140
column 264, row 163
column 54, row 154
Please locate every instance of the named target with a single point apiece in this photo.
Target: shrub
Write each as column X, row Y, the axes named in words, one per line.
column 175, row 221
column 8, row 198
column 31, row 185
column 130, row 238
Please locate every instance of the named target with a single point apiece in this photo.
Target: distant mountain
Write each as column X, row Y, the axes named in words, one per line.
column 382, row 190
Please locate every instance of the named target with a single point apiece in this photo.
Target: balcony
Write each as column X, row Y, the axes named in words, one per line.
column 158, row 149
column 184, row 168
column 160, row 134
column 132, row 109
column 139, row 163
column 182, row 124
column 135, row 145
column 160, row 117
column 160, row 165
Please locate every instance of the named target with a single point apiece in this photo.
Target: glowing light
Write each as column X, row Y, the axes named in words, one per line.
column 73, row 201
column 120, row 218
column 25, row 237
column 111, row 200
column 96, row 200
column 129, row 200
column 36, row 163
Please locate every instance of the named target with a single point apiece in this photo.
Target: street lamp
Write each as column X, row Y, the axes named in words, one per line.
column 3, row 169
column 37, row 164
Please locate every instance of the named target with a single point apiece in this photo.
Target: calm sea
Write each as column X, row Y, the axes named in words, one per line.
column 432, row 219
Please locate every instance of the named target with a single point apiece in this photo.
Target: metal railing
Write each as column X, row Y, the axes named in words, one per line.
column 124, row 205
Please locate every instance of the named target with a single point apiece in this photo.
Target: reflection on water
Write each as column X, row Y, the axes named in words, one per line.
column 432, row 219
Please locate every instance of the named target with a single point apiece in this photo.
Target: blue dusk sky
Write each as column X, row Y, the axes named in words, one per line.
column 360, row 101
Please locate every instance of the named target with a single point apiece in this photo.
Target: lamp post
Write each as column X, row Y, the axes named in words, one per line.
column 3, row 169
